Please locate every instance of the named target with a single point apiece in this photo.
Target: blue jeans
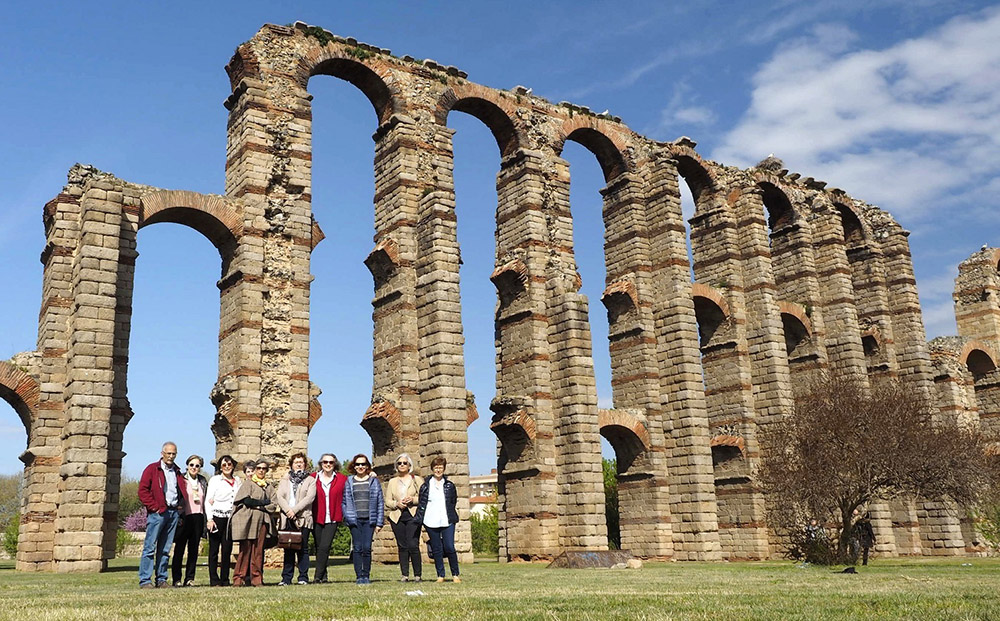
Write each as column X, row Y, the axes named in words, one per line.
column 362, row 534
column 160, row 529
column 297, row 558
column 443, row 544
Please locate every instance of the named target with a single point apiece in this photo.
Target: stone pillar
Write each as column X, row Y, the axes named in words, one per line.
column 394, row 419
column 840, row 315
column 797, row 285
column 443, row 396
column 44, row 454
column 263, row 395
column 633, row 302
column 680, row 417
column 977, row 296
column 523, row 418
column 728, row 383
column 582, row 523
column 939, row 524
column 88, row 397
column 868, row 277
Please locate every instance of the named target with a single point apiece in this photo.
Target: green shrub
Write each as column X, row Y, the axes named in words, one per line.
column 485, row 532
column 10, row 535
column 611, row 503
column 128, row 498
column 341, row 545
column 122, row 539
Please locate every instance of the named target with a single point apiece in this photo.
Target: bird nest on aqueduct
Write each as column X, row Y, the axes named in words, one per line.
column 791, row 277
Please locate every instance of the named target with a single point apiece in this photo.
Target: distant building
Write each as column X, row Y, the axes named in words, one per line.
column 482, row 492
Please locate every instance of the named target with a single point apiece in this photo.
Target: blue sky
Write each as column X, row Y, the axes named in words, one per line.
column 897, row 102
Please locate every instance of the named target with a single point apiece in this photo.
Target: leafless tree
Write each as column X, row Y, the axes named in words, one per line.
column 847, row 445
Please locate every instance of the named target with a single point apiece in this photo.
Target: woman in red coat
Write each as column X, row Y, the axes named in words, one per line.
column 327, row 512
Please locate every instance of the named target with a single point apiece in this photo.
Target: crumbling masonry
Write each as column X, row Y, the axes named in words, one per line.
column 790, row 278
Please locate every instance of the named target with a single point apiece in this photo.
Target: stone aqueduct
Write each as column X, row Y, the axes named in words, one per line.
column 790, row 277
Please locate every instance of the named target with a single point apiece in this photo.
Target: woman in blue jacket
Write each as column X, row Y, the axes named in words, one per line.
column 364, row 513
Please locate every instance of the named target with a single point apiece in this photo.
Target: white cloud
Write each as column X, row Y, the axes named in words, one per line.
column 682, row 112
column 909, row 127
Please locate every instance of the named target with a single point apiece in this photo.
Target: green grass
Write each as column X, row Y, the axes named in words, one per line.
column 889, row 589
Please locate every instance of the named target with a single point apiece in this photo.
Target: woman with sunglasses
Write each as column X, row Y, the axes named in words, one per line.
column 218, row 509
column 192, row 523
column 328, row 512
column 250, row 524
column 401, row 494
column 364, row 513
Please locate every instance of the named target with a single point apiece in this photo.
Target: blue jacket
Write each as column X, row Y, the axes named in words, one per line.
column 376, row 504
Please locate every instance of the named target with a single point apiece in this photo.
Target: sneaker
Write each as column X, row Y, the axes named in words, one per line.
column 440, row 579
column 178, row 583
column 456, row 579
column 360, row 582
column 417, row 579
column 303, row 582
column 163, row 585
column 404, row 579
column 148, row 585
column 283, row 583
column 189, row 583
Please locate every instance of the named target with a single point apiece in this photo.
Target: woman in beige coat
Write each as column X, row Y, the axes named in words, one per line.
column 296, row 493
column 401, row 492
column 250, row 524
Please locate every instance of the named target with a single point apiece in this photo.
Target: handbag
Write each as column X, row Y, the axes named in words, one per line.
column 290, row 539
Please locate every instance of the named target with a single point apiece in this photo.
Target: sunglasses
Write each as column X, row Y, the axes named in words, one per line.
column 194, row 465
column 327, row 461
column 365, row 465
column 402, row 463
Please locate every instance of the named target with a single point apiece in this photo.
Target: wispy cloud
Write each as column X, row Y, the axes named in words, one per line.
column 683, row 112
column 911, row 127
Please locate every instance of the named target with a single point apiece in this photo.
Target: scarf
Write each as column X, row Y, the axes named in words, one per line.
column 296, row 478
column 196, row 498
column 261, row 482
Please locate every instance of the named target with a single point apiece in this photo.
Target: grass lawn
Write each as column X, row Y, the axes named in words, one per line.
column 888, row 589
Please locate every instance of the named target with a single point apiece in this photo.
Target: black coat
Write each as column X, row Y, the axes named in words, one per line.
column 450, row 501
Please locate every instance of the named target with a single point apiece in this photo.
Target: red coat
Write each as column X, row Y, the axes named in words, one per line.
column 153, row 488
column 337, row 494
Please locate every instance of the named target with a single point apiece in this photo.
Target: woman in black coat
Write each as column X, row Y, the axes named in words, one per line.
column 436, row 510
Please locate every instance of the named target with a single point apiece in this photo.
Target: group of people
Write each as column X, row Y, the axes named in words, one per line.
column 258, row 513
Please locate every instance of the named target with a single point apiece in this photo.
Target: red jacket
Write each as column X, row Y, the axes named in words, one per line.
column 337, row 497
column 153, row 486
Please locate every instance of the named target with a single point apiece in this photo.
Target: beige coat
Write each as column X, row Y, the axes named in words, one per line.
column 304, row 497
column 392, row 497
column 246, row 522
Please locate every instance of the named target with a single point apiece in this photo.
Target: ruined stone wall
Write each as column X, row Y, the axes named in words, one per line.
column 790, row 278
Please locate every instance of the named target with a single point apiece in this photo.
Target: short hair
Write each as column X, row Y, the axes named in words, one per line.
column 262, row 462
column 291, row 460
column 249, row 464
column 166, row 444
column 198, row 457
column 336, row 462
column 406, row 456
column 439, row 461
column 350, row 464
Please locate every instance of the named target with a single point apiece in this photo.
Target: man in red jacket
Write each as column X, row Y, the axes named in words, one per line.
column 162, row 492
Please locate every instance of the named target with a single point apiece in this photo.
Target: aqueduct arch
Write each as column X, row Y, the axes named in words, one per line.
column 790, row 278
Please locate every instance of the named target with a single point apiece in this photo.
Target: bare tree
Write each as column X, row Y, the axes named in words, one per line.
column 847, row 445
